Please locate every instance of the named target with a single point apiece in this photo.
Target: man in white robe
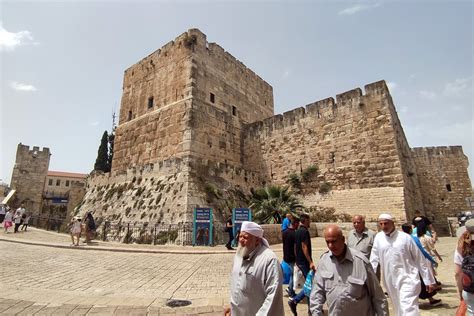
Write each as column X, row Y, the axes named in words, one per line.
column 256, row 279
column 402, row 263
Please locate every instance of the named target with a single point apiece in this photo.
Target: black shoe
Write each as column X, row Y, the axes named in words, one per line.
column 292, row 305
column 435, row 302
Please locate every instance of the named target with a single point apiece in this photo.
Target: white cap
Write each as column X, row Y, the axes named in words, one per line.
column 385, row 216
column 255, row 230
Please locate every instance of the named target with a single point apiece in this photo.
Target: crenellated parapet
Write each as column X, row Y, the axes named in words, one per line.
column 447, row 151
column 327, row 109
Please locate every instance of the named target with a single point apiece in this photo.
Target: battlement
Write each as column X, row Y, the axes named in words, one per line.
column 449, row 151
column 25, row 149
column 323, row 110
column 194, row 37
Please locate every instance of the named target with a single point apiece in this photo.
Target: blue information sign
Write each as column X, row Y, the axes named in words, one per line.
column 202, row 228
column 240, row 215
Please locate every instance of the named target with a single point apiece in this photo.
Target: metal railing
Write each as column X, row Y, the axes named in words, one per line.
column 139, row 233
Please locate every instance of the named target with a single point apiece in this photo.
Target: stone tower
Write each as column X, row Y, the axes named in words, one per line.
column 28, row 177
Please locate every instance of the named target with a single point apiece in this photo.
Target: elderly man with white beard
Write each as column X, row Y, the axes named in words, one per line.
column 402, row 265
column 256, row 279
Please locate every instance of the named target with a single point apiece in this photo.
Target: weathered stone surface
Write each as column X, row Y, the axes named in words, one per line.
column 29, row 176
column 194, row 119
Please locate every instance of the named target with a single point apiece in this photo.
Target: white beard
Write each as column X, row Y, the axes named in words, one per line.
column 243, row 252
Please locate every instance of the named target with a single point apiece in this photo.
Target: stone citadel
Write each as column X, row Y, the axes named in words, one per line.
column 197, row 128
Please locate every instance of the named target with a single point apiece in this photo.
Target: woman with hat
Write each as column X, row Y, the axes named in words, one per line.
column 75, row 230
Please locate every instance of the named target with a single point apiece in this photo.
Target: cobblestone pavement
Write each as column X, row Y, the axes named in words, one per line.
column 49, row 280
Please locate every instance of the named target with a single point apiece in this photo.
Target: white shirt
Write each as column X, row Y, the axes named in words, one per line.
column 458, row 258
column 256, row 284
column 8, row 217
column 401, row 262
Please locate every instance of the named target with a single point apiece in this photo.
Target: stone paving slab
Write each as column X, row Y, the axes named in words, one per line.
column 52, row 280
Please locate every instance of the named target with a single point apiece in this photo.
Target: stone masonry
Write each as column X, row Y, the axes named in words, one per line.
column 28, row 177
column 196, row 122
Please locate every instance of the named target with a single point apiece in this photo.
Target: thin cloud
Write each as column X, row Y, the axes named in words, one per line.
column 96, row 123
column 18, row 86
column 286, row 74
column 457, row 88
column 9, row 40
column 427, row 95
column 358, row 8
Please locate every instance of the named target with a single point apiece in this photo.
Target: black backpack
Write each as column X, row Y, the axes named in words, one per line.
column 91, row 224
column 467, row 268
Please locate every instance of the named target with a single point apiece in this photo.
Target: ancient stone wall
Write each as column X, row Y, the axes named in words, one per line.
column 29, row 176
column 444, row 181
column 152, row 193
column 157, row 136
column 351, row 141
column 163, row 76
column 76, row 195
column 370, row 202
column 237, row 90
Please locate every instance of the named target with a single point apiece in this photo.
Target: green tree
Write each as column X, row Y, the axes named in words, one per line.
column 111, row 149
column 268, row 201
column 101, row 163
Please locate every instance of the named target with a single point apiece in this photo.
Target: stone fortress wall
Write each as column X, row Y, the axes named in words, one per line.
column 352, row 143
column 444, row 182
column 211, row 122
column 29, row 176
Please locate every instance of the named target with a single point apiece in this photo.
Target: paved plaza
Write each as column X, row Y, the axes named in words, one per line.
column 43, row 275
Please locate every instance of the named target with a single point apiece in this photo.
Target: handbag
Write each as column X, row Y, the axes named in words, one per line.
column 287, row 272
column 298, row 279
column 308, row 283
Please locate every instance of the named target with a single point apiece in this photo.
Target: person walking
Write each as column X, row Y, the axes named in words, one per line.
column 464, row 251
column 345, row 281
column 360, row 238
column 26, row 221
column 75, row 229
column 228, row 228
column 256, row 276
column 286, row 222
column 8, row 220
column 303, row 257
column 401, row 262
column 424, row 295
column 17, row 219
column 21, row 211
column 3, row 211
column 89, row 227
column 289, row 255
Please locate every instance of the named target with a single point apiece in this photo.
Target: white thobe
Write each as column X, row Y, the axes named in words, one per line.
column 256, row 284
column 402, row 264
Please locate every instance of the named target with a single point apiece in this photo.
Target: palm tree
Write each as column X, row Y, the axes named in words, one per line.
column 267, row 202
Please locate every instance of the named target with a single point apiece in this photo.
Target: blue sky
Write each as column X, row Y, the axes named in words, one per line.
column 62, row 62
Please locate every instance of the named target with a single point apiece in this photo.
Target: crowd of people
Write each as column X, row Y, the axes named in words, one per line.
column 18, row 219
column 358, row 274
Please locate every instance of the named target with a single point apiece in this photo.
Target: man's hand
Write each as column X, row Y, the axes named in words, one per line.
column 430, row 288
column 226, row 311
column 312, row 266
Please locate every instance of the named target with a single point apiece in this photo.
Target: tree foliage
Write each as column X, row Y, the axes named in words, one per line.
column 102, row 162
column 268, row 201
